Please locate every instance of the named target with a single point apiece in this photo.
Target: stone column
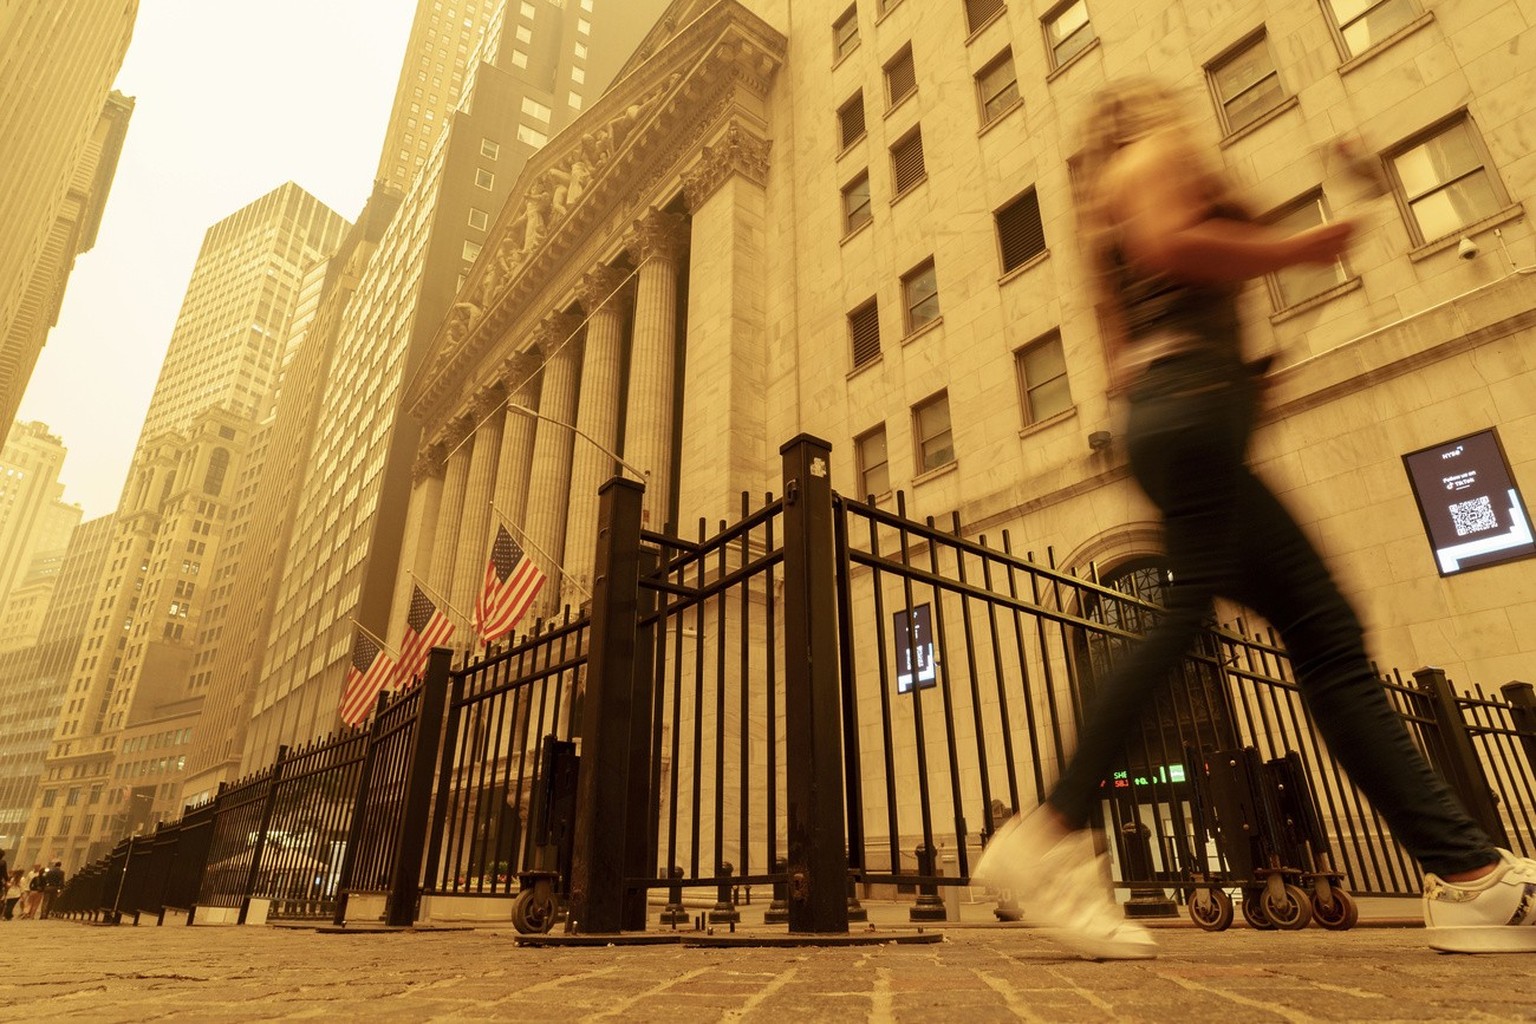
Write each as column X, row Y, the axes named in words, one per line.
column 450, row 517
column 725, row 447
column 549, row 485
column 520, row 380
column 658, row 242
column 605, row 295
column 420, row 533
column 474, row 538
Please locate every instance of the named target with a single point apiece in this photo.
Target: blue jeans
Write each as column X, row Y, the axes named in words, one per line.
column 1190, row 420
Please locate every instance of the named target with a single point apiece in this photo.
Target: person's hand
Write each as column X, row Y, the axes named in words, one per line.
column 1322, row 244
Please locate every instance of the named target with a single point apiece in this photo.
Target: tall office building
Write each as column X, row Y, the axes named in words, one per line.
column 536, row 66
column 33, row 515
column 33, row 682
column 60, row 132
column 219, row 367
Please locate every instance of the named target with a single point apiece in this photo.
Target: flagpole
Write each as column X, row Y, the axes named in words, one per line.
column 573, row 581
column 374, row 637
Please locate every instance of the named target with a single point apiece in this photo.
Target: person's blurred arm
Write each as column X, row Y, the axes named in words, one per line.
column 1163, row 207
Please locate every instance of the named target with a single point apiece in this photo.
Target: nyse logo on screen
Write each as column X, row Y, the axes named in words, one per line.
column 1472, row 510
column 914, row 649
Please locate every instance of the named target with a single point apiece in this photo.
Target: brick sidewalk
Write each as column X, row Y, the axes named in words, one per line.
column 64, row 971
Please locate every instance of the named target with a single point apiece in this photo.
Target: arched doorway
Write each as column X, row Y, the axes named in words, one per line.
column 1146, row 805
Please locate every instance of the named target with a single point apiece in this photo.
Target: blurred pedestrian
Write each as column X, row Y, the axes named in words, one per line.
column 53, row 882
column 13, row 892
column 1170, row 248
column 33, row 899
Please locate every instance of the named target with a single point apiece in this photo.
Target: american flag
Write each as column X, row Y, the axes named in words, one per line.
column 366, row 678
column 426, row 627
column 512, row 581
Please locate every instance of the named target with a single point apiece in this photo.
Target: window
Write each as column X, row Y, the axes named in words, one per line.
column 470, row 251
column 484, row 179
column 218, row 466
column 519, row 59
column 907, row 167
column 578, row 76
column 845, row 33
column 979, row 12
column 1361, row 24
column 935, row 444
column 478, row 218
column 1443, row 182
column 531, row 136
column 583, row 26
column 887, row 5
column 575, row 101
column 997, row 87
column 490, row 150
column 856, row 211
column 850, row 120
column 1068, row 32
column 874, row 465
column 1245, row 83
column 1297, row 284
column 864, row 332
column 1020, row 235
column 900, row 77
column 525, row 9
column 537, row 109
column 524, row 34
column 1043, row 390
column 920, row 291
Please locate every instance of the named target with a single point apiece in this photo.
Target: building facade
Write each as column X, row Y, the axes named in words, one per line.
column 856, row 220
column 220, row 367
column 61, row 132
column 536, row 65
column 34, row 518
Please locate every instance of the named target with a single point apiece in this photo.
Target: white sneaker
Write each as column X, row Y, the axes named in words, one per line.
column 1494, row 914
column 1061, row 882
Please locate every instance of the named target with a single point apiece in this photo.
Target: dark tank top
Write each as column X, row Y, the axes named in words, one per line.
column 1155, row 304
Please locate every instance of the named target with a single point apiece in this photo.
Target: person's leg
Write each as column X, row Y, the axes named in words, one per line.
column 1187, row 432
column 1285, row 581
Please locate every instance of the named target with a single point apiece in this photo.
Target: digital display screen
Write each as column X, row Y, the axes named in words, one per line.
column 914, row 645
column 1472, row 510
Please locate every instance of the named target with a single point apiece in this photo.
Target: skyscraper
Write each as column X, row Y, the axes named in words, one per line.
column 33, row 516
column 220, row 365
column 534, row 67
column 60, row 133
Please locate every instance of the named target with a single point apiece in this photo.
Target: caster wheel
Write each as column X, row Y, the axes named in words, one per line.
column 1253, row 910
column 533, row 913
column 1211, row 909
column 1339, row 914
column 1290, row 909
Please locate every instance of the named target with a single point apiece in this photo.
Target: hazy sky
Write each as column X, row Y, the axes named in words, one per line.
column 233, row 98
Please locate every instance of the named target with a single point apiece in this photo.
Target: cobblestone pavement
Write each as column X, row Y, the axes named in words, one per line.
column 65, row 971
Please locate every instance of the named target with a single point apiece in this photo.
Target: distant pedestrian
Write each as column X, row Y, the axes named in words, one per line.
column 34, row 895
column 53, row 882
column 13, row 892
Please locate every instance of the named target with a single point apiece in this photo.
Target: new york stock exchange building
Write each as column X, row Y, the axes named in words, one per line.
column 855, row 221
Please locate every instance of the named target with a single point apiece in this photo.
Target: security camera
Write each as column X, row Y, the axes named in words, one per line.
column 1467, row 249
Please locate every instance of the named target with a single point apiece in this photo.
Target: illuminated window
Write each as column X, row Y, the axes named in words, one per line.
column 1298, row 283
column 874, row 464
column 935, row 443
column 845, row 33
column 531, row 136
column 1443, row 181
column 856, row 212
column 519, row 59
column 535, row 108
column 1245, row 83
column 575, row 101
column 1042, row 369
column 1068, row 32
column 920, row 290
column 578, row 76
column 524, row 34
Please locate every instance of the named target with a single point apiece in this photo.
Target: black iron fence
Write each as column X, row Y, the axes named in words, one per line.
column 823, row 695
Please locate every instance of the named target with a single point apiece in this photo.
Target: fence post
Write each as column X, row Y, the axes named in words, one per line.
column 359, row 811
column 444, row 781
column 818, row 858
column 261, row 832
column 1452, row 752
column 600, row 854
column 641, row 808
column 1522, row 713
column 410, row 840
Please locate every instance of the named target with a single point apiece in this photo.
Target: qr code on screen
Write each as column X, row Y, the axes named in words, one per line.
column 1474, row 516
